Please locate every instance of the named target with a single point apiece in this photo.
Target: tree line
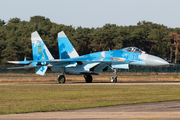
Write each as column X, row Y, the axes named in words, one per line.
column 15, row 38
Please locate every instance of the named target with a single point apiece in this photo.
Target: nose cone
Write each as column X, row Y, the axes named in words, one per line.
column 155, row 61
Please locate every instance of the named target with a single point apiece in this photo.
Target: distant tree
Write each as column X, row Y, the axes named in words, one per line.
column 10, row 52
column 103, row 38
column 14, row 20
column 81, row 39
column 2, row 22
column 39, row 19
column 15, row 37
column 175, row 43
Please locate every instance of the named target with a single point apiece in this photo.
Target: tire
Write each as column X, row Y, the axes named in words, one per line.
column 61, row 79
column 114, row 80
column 88, row 78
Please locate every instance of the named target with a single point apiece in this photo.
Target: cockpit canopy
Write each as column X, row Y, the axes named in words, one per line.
column 133, row 49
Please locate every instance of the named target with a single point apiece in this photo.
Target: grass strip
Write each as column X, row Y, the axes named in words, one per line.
column 36, row 98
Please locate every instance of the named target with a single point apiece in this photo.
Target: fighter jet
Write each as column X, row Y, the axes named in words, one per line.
column 70, row 62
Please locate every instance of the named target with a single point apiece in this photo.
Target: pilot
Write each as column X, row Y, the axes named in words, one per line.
column 132, row 49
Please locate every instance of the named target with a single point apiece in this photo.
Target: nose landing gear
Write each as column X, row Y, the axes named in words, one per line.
column 114, row 78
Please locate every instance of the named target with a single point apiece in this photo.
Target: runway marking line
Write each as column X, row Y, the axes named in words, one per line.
column 110, row 118
column 155, row 117
column 137, row 118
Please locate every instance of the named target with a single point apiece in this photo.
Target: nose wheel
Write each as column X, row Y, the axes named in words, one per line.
column 114, row 79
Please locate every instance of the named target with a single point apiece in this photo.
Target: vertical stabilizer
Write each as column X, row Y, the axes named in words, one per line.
column 39, row 49
column 66, row 50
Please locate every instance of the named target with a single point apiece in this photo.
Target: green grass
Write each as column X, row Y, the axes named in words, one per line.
column 35, row 98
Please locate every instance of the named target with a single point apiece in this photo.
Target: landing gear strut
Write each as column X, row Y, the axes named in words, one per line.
column 88, row 78
column 61, row 79
column 114, row 78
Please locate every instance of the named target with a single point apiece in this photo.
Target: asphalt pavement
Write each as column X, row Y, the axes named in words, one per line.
column 146, row 111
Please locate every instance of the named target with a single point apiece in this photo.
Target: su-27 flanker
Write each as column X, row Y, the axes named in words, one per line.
column 70, row 62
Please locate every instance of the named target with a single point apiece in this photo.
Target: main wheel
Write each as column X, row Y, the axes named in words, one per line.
column 61, row 79
column 114, row 79
column 88, row 78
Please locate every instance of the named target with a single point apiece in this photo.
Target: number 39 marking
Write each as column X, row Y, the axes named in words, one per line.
column 134, row 57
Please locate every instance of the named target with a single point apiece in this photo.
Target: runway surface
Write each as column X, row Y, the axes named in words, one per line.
column 147, row 111
column 95, row 83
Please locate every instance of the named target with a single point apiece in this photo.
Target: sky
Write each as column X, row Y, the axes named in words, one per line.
column 94, row 13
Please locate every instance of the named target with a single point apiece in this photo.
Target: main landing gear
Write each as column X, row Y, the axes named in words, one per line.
column 114, row 78
column 88, row 78
column 61, row 79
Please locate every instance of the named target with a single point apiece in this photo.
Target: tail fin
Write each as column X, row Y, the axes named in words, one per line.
column 40, row 52
column 66, row 50
column 39, row 49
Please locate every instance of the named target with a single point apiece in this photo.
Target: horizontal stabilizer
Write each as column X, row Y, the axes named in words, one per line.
column 22, row 67
column 19, row 62
column 41, row 70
